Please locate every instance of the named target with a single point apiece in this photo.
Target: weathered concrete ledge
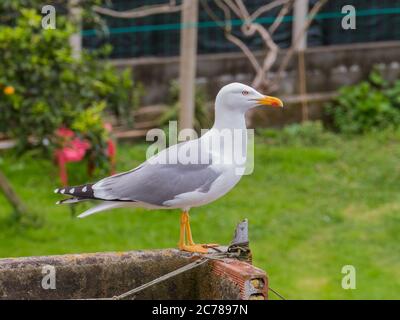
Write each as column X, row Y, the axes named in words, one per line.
column 104, row 275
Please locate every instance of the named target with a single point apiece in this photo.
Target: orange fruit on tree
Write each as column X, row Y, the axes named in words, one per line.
column 9, row 90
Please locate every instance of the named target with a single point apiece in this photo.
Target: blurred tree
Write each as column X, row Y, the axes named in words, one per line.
column 42, row 87
column 21, row 212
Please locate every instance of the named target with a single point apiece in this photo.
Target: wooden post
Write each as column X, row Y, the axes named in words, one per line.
column 188, row 55
column 300, row 20
column 300, row 11
column 75, row 40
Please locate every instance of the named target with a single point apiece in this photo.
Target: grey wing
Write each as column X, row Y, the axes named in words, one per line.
column 156, row 183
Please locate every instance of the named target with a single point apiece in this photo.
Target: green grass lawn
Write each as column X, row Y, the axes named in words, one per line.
column 311, row 210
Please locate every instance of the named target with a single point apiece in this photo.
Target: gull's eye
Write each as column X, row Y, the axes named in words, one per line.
column 245, row 92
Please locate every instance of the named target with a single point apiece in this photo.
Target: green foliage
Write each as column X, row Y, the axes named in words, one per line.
column 124, row 97
column 44, row 88
column 370, row 105
column 201, row 113
column 309, row 133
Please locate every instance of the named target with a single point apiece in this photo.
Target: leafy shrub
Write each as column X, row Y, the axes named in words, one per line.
column 42, row 87
column 370, row 105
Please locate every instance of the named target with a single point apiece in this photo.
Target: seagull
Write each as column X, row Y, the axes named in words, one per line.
column 185, row 175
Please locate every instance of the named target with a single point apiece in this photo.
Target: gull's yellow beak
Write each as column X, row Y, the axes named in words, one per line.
column 270, row 101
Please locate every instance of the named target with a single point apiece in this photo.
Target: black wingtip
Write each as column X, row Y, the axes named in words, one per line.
column 82, row 191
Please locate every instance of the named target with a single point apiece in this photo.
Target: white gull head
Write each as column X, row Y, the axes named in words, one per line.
column 234, row 99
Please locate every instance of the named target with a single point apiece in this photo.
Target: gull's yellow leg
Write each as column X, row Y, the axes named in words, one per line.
column 188, row 230
column 181, row 243
column 191, row 247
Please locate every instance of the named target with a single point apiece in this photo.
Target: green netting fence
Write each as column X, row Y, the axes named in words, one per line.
column 158, row 35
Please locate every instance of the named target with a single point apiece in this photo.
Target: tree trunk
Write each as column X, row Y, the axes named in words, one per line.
column 12, row 197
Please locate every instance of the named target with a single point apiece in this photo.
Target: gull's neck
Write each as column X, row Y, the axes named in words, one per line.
column 227, row 119
column 230, row 132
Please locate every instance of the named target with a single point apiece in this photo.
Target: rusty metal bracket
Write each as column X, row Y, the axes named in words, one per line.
column 240, row 242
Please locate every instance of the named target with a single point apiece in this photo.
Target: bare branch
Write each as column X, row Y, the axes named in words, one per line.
column 141, row 11
column 282, row 13
column 227, row 29
column 245, row 49
column 315, row 9
column 249, row 29
column 226, row 24
column 227, row 14
column 233, row 7
column 268, row 7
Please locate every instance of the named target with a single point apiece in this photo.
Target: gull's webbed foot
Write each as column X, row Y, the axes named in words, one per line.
column 186, row 234
column 196, row 248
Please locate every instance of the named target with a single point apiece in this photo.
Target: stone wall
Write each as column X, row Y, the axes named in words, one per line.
column 105, row 275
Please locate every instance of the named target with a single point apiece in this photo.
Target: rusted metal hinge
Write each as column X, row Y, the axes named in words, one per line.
column 240, row 243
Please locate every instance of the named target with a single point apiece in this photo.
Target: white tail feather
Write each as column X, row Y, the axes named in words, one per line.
column 106, row 205
column 71, row 200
